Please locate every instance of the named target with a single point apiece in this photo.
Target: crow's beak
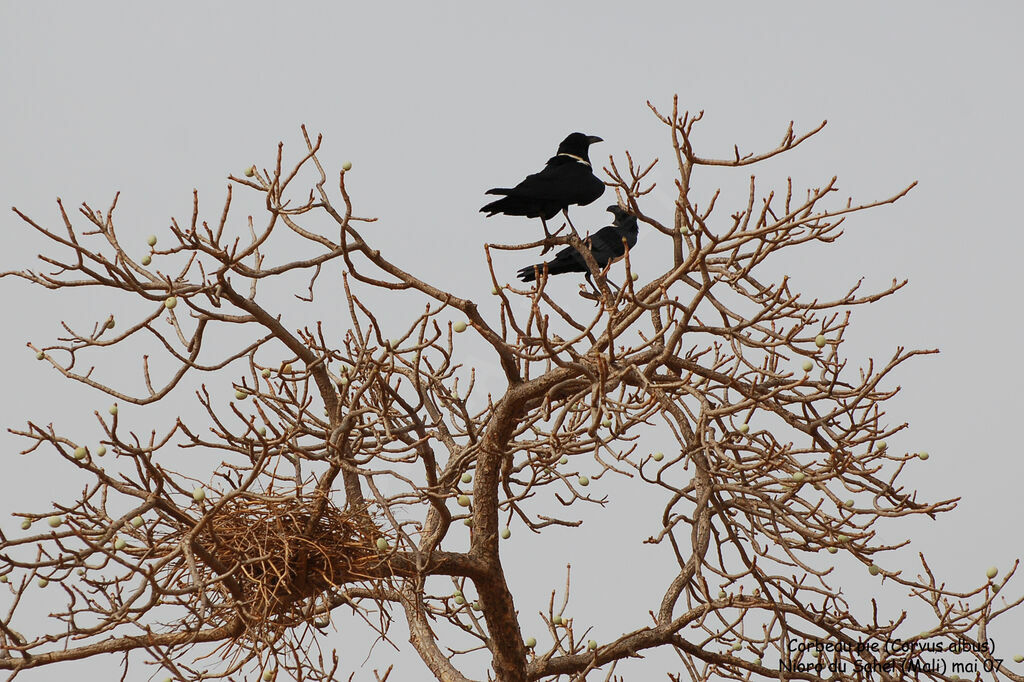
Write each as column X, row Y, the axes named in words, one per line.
column 614, row 208
column 591, row 139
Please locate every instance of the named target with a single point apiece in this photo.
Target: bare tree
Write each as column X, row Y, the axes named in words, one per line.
column 348, row 466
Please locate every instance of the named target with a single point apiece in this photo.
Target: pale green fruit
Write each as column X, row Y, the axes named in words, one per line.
column 459, row 599
column 250, row 171
column 113, row 409
column 584, row 481
column 874, row 570
column 820, row 340
column 991, row 572
column 530, row 642
column 563, row 460
column 137, row 522
column 476, row 606
column 81, row 452
column 3, row 578
column 833, row 550
column 199, row 494
column 842, row 538
column 42, row 582
column 120, row 543
column 849, row 503
column 347, row 166
column 506, row 533
column 815, row 654
column 494, row 290
column 808, row 365
column 240, row 394
column 26, row 524
column 265, row 373
column 459, row 326
column 111, row 322
column 592, row 645
column 151, row 240
column 606, row 423
column 170, row 302
column 146, row 260
column 880, row 445
column 799, row 476
column 382, row 544
column 634, row 276
column 343, row 381
column 101, row 450
column 463, row 500
column 557, row 620
column 737, row 646
column 287, row 368
column 54, row 521
column 80, row 571
column 744, row 427
column 757, row 661
column 268, row 675
column 923, row 455
column 658, row 456
column 1018, row 659
column 467, row 477
column 262, row 431
column 722, row 594
column 467, row 522
column 40, row 355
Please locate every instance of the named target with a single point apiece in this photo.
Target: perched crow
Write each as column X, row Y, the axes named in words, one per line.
column 606, row 245
column 567, row 179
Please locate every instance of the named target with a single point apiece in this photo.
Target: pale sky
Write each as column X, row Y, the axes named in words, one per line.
column 434, row 103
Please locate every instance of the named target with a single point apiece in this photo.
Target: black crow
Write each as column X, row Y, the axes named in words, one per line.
column 567, row 179
column 607, row 246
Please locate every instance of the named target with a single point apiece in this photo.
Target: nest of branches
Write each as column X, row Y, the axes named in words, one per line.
column 283, row 556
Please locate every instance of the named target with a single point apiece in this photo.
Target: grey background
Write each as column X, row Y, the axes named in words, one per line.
column 436, row 102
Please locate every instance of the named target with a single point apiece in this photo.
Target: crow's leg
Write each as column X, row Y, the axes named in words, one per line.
column 565, row 212
column 547, row 236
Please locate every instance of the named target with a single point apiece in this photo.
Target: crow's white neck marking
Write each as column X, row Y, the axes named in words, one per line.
column 576, row 158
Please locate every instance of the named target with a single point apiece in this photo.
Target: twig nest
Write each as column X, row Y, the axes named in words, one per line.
column 459, row 326
column 199, row 494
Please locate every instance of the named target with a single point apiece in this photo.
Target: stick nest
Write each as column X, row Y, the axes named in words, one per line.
column 283, row 564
